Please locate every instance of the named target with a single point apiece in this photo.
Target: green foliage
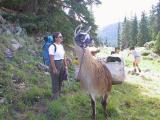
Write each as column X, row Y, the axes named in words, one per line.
column 143, row 35
column 134, row 32
column 57, row 109
column 32, row 96
column 152, row 23
column 158, row 16
column 11, row 3
column 145, row 53
column 32, row 116
column 157, row 44
column 125, row 37
column 5, row 43
column 49, row 16
column 137, row 33
column 69, row 108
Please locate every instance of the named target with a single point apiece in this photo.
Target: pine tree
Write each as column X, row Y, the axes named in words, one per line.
column 106, row 42
column 118, row 36
column 152, row 23
column 143, row 35
column 134, row 32
column 125, row 33
column 158, row 16
column 50, row 15
column 157, row 44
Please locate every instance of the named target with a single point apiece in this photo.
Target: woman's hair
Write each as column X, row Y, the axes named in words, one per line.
column 55, row 34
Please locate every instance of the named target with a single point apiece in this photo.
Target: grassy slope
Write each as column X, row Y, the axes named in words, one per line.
column 136, row 99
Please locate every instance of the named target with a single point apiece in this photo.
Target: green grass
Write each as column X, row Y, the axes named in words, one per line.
column 138, row 98
column 126, row 102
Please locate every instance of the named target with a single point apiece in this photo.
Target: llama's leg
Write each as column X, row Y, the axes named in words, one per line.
column 104, row 103
column 93, row 103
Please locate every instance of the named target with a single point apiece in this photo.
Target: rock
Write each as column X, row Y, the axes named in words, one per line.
column 42, row 67
column 25, row 62
column 34, row 53
column 15, row 45
column 8, row 32
column 149, row 45
column 16, row 79
column 39, row 39
column 21, row 85
column 153, row 55
column 145, row 53
column 2, row 20
column 8, row 54
column 46, row 73
column 2, row 100
column 18, row 31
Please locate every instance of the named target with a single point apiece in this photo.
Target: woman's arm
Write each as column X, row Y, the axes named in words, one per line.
column 65, row 61
column 54, row 69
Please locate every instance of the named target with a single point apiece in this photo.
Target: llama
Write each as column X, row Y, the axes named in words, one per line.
column 94, row 77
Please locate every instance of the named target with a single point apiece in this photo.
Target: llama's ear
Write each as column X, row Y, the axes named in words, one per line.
column 89, row 28
column 77, row 30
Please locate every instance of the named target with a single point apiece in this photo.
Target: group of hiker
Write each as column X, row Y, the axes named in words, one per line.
column 58, row 63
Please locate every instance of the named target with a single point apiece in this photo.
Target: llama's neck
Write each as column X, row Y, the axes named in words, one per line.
column 86, row 59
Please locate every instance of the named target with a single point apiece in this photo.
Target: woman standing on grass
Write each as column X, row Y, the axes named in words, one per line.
column 58, row 64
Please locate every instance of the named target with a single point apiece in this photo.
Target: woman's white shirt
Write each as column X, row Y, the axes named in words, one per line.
column 59, row 53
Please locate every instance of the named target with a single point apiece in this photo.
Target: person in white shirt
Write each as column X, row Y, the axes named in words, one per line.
column 136, row 59
column 58, row 64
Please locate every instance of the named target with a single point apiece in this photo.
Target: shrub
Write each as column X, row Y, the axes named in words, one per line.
column 157, row 44
column 31, row 96
column 145, row 53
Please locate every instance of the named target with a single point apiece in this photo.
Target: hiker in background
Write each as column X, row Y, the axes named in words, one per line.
column 58, row 64
column 136, row 58
column 115, row 51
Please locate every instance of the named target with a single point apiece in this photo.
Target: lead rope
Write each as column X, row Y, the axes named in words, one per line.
column 81, row 62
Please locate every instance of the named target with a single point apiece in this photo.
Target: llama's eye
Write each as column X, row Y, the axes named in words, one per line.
column 82, row 37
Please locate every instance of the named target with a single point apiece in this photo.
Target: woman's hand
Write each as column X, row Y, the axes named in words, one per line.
column 66, row 67
column 55, row 71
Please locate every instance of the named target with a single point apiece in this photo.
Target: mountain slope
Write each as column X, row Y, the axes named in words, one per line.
column 109, row 33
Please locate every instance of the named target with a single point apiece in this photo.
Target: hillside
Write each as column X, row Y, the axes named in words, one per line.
column 25, row 85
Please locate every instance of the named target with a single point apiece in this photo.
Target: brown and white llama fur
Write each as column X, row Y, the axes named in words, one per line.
column 94, row 78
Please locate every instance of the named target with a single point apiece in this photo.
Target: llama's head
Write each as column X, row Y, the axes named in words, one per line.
column 81, row 37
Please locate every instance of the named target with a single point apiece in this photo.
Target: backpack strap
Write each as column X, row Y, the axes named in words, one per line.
column 55, row 47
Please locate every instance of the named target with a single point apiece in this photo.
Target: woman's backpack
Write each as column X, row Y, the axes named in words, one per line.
column 48, row 40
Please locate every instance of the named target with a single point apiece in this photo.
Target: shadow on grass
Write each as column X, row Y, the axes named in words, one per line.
column 125, row 103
